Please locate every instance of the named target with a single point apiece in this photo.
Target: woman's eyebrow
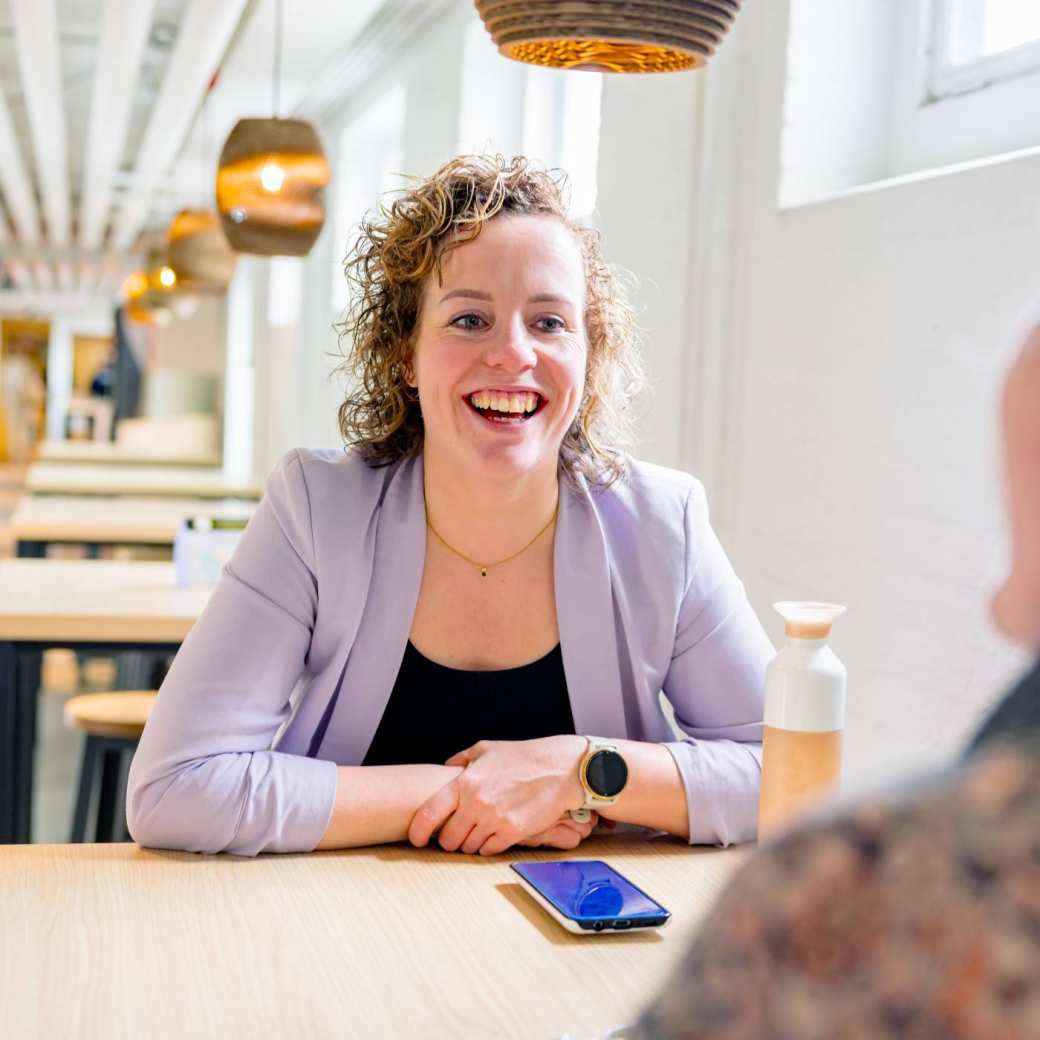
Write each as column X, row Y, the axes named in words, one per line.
column 476, row 294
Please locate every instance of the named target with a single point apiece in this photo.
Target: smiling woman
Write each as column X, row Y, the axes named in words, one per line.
column 484, row 597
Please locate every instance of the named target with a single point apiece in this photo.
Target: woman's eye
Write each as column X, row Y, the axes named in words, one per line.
column 466, row 318
column 559, row 327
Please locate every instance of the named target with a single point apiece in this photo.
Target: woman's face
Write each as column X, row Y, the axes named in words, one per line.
column 1016, row 606
column 500, row 350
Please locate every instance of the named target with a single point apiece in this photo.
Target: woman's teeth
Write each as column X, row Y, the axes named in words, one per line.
column 516, row 403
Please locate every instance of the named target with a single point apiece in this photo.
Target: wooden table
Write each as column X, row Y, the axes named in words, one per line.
column 84, row 478
column 112, row 452
column 41, row 520
column 114, row 941
column 97, row 605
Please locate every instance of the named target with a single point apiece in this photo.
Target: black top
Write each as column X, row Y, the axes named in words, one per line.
column 435, row 711
column 1016, row 717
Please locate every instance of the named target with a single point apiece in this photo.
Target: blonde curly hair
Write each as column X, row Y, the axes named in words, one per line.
column 398, row 248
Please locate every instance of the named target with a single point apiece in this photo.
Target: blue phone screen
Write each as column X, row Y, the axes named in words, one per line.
column 588, row 889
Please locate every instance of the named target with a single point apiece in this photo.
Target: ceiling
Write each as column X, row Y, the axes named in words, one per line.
column 108, row 125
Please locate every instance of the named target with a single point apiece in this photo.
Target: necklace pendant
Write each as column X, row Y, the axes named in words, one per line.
column 483, row 572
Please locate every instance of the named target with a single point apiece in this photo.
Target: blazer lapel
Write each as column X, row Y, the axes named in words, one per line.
column 585, row 615
column 375, row 658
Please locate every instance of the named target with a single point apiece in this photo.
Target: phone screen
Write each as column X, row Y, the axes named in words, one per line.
column 588, row 888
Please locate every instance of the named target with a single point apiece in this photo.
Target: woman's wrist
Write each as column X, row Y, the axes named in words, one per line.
column 375, row 804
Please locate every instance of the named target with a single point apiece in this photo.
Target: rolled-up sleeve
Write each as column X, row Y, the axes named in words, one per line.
column 715, row 683
column 203, row 778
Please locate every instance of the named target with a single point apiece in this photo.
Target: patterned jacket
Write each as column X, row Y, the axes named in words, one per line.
column 916, row 916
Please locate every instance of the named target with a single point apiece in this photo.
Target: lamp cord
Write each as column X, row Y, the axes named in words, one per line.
column 277, row 54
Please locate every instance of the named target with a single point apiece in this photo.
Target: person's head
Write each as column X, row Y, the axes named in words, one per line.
column 476, row 280
column 1016, row 606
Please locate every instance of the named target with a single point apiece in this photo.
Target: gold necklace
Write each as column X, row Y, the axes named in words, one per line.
column 484, row 567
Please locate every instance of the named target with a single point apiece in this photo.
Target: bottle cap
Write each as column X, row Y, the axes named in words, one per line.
column 808, row 620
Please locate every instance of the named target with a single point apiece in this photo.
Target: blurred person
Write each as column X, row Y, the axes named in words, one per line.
column 906, row 916
column 481, row 590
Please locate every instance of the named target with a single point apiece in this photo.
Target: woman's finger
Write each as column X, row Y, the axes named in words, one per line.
column 562, row 836
column 456, row 829
column 470, row 754
column 476, row 837
column 431, row 815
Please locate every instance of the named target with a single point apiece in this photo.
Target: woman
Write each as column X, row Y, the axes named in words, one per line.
column 480, row 585
column 912, row 916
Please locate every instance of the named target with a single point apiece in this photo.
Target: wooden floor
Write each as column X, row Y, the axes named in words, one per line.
column 58, row 749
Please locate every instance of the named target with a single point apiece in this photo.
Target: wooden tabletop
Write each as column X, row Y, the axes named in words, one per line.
column 110, row 451
column 116, row 941
column 96, row 601
column 87, row 478
column 54, row 518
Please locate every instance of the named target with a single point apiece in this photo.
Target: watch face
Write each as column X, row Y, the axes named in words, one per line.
column 606, row 773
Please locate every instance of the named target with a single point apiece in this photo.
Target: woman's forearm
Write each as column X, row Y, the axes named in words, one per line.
column 375, row 804
column 654, row 795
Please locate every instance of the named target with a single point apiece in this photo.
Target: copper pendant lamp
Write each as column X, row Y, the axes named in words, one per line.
column 148, row 293
column 198, row 252
column 609, row 35
column 271, row 180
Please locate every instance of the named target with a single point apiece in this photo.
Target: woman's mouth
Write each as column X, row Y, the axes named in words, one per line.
column 505, row 408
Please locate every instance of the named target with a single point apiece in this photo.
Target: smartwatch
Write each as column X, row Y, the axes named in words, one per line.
column 603, row 774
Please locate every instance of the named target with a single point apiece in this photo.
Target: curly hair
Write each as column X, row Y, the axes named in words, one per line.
column 398, row 248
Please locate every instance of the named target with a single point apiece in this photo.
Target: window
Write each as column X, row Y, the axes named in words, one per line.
column 976, row 43
column 371, row 157
column 896, row 88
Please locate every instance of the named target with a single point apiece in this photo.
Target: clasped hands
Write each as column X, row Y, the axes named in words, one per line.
column 510, row 792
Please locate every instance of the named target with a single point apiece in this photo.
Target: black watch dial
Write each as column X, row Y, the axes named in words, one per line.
column 606, row 773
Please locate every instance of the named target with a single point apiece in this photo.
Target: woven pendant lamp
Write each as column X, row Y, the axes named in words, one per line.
column 199, row 253
column 271, row 187
column 271, row 178
column 609, row 35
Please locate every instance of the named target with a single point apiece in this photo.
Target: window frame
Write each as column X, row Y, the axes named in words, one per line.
column 947, row 78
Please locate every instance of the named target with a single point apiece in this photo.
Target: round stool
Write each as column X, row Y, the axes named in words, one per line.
column 113, row 724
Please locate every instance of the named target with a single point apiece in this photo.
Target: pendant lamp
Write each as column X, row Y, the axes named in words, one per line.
column 143, row 305
column 271, row 187
column 271, row 180
column 609, row 35
column 198, row 252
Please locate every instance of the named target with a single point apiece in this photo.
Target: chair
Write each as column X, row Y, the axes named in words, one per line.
column 113, row 724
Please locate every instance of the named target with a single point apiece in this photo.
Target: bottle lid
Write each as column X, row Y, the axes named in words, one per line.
column 808, row 620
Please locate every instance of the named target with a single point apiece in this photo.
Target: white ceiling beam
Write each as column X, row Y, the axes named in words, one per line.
column 46, row 304
column 201, row 42
column 36, row 47
column 124, row 33
column 14, row 181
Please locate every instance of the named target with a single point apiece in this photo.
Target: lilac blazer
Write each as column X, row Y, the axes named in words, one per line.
column 287, row 672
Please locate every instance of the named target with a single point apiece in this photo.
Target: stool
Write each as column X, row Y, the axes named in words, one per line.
column 113, row 724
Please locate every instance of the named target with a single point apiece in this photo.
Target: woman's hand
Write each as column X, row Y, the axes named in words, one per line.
column 564, row 834
column 509, row 791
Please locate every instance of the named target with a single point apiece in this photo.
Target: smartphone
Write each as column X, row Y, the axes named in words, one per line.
column 588, row 896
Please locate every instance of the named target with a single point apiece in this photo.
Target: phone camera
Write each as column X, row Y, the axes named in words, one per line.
column 599, row 926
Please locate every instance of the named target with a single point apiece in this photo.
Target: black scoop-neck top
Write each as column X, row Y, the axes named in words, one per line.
column 435, row 711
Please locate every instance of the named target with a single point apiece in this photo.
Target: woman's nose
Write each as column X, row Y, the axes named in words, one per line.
column 513, row 348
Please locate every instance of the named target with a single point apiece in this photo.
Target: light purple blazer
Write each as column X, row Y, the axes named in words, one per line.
column 287, row 672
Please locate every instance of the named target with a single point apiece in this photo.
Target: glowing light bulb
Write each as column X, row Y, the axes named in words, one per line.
column 167, row 277
column 272, row 177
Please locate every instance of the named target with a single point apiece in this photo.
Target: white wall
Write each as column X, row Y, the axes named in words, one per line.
column 855, row 452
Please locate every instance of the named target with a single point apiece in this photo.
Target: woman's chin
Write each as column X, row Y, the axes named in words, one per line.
column 1016, row 614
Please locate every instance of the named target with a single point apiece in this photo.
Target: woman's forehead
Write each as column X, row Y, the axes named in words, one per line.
column 510, row 247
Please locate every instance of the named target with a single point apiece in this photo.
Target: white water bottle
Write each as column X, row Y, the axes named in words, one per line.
column 804, row 717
